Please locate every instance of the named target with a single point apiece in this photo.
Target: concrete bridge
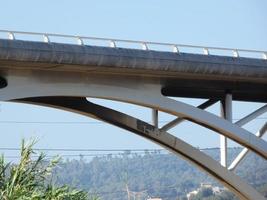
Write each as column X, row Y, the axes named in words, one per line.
column 61, row 76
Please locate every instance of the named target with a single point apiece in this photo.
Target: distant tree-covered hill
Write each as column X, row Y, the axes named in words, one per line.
column 151, row 174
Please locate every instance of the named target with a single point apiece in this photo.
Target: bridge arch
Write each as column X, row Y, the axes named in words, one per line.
column 139, row 94
column 81, row 106
column 36, row 69
column 150, row 96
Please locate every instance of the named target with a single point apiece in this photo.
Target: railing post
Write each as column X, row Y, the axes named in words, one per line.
column 11, row 36
column 175, row 49
column 206, row 51
column 144, row 46
column 80, row 41
column 46, row 38
column 112, row 44
column 235, row 53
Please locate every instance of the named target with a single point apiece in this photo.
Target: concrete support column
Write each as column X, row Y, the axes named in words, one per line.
column 155, row 118
column 226, row 113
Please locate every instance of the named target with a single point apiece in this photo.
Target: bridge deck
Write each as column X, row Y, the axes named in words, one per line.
column 179, row 74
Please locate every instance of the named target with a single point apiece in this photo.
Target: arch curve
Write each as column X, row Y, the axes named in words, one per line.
column 125, row 89
column 141, row 128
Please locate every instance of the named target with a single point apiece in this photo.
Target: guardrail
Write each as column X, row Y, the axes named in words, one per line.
column 144, row 45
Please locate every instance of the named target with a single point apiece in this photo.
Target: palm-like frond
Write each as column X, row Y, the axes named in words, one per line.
column 28, row 180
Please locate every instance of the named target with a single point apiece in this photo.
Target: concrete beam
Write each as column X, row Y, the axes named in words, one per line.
column 179, row 74
column 3, row 82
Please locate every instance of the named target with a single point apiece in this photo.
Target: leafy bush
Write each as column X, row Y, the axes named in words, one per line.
column 31, row 179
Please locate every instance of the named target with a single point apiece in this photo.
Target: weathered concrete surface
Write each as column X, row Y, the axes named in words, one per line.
column 187, row 75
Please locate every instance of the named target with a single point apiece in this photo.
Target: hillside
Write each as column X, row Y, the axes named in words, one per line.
column 151, row 174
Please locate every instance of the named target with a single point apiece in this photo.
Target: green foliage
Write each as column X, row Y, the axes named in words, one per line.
column 152, row 174
column 207, row 194
column 159, row 175
column 29, row 179
column 263, row 189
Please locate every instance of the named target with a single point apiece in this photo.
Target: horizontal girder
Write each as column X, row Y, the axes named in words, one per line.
column 180, row 74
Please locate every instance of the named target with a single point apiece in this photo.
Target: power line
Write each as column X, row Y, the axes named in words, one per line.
column 114, row 152
column 121, row 153
column 81, row 155
column 85, row 155
column 99, row 150
column 88, row 150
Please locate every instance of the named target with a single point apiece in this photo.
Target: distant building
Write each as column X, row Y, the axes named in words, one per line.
column 215, row 190
column 190, row 195
column 205, row 185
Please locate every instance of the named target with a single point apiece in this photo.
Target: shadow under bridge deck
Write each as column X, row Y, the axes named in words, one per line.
column 62, row 75
column 179, row 74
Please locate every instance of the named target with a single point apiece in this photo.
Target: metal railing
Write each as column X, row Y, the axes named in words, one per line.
column 144, row 45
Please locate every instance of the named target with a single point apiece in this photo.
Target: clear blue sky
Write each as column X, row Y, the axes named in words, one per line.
column 224, row 23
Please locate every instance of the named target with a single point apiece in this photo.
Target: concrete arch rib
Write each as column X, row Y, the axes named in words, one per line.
column 168, row 141
column 149, row 98
column 144, row 95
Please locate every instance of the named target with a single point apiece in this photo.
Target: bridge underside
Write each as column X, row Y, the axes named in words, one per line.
column 206, row 89
column 61, row 75
column 179, row 74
